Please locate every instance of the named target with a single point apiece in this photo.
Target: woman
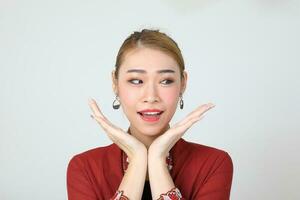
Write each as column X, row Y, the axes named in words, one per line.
column 149, row 79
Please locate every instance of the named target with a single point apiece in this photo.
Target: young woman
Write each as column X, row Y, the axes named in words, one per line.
column 150, row 160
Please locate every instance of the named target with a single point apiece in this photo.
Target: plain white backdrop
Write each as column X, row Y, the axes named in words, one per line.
column 241, row 55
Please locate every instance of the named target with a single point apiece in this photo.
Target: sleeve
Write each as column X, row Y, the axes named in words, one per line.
column 173, row 194
column 79, row 186
column 119, row 196
column 218, row 184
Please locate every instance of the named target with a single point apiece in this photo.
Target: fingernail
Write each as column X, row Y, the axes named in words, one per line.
column 211, row 105
column 201, row 117
column 90, row 100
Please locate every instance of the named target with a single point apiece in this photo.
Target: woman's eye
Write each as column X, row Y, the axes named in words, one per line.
column 167, row 82
column 135, row 81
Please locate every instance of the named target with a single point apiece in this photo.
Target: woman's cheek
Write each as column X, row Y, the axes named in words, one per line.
column 170, row 97
column 128, row 98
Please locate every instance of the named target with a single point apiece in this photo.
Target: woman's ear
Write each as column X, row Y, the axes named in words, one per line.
column 114, row 82
column 183, row 81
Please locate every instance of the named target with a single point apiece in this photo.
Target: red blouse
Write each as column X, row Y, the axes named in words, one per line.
column 199, row 172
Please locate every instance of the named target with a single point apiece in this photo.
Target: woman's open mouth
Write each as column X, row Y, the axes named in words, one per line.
column 150, row 115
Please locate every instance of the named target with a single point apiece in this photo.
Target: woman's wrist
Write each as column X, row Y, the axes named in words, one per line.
column 156, row 159
column 136, row 154
column 134, row 178
column 159, row 176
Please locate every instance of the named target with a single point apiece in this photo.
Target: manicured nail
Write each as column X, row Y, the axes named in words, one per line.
column 91, row 100
column 211, row 105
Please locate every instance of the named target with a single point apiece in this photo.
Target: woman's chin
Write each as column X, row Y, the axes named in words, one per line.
column 153, row 131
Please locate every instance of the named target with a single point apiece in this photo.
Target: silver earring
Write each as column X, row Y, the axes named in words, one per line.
column 181, row 103
column 116, row 103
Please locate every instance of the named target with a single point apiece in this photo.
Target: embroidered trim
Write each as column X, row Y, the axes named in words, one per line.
column 173, row 194
column 119, row 196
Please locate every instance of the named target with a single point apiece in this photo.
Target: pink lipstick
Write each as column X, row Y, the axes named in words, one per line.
column 150, row 115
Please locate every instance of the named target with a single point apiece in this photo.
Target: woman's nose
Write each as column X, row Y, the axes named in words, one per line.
column 151, row 94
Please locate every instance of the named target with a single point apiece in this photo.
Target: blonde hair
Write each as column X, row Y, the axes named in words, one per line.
column 151, row 39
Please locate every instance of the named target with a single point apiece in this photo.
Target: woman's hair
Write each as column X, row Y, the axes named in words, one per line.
column 150, row 39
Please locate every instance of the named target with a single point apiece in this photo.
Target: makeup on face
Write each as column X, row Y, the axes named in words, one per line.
column 150, row 115
column 149, row 85
column 162, row 78
column 137, row 77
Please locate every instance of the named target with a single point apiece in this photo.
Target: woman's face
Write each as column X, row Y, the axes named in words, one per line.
column 149, row 86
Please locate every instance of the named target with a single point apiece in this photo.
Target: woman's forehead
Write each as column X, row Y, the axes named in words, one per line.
column 148, row 60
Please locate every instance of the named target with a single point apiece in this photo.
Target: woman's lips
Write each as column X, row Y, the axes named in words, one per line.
column 150, row 115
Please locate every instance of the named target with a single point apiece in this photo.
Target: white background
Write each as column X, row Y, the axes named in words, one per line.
column 241, row 55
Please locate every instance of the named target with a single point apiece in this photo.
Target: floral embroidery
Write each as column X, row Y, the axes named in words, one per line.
column 173, row 194
column 119, row 196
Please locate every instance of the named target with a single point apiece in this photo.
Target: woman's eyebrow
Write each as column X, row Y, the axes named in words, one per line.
column 144, row 71
column 166, row 71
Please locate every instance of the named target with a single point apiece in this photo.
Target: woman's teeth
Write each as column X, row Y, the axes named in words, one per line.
column 150, row 116
column 150, row 113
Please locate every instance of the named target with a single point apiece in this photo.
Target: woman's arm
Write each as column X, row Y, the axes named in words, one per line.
column 218, row 183
column 160, row 180
column 159, row 176
column 79, row 186
column 133, row 181
column 216, row 187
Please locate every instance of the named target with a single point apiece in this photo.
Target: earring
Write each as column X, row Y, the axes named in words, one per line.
column 181, row 103
column 116, row 103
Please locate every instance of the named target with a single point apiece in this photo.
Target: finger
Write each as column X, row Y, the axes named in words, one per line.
column 97, row 112
column 189, row 116
column 108, row 127
column 102, row 122
column 113, row 132
column 198, row 112
column 94, row 107
column 181, row 129
column 117, row 135
column 201, row 110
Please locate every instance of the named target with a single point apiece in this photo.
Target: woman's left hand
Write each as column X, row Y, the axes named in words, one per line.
column 162, row 144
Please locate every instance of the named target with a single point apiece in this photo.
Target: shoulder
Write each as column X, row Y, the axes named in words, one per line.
column 204, row 150
column 205, row 156
column 95, row 155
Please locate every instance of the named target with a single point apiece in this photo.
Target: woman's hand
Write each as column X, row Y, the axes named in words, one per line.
column 129, row 144
column 162, row 144
column 135, row 150
column 159, row 176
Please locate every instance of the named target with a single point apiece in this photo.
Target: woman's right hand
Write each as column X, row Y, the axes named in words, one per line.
column 129, row 144
column 135, row 150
